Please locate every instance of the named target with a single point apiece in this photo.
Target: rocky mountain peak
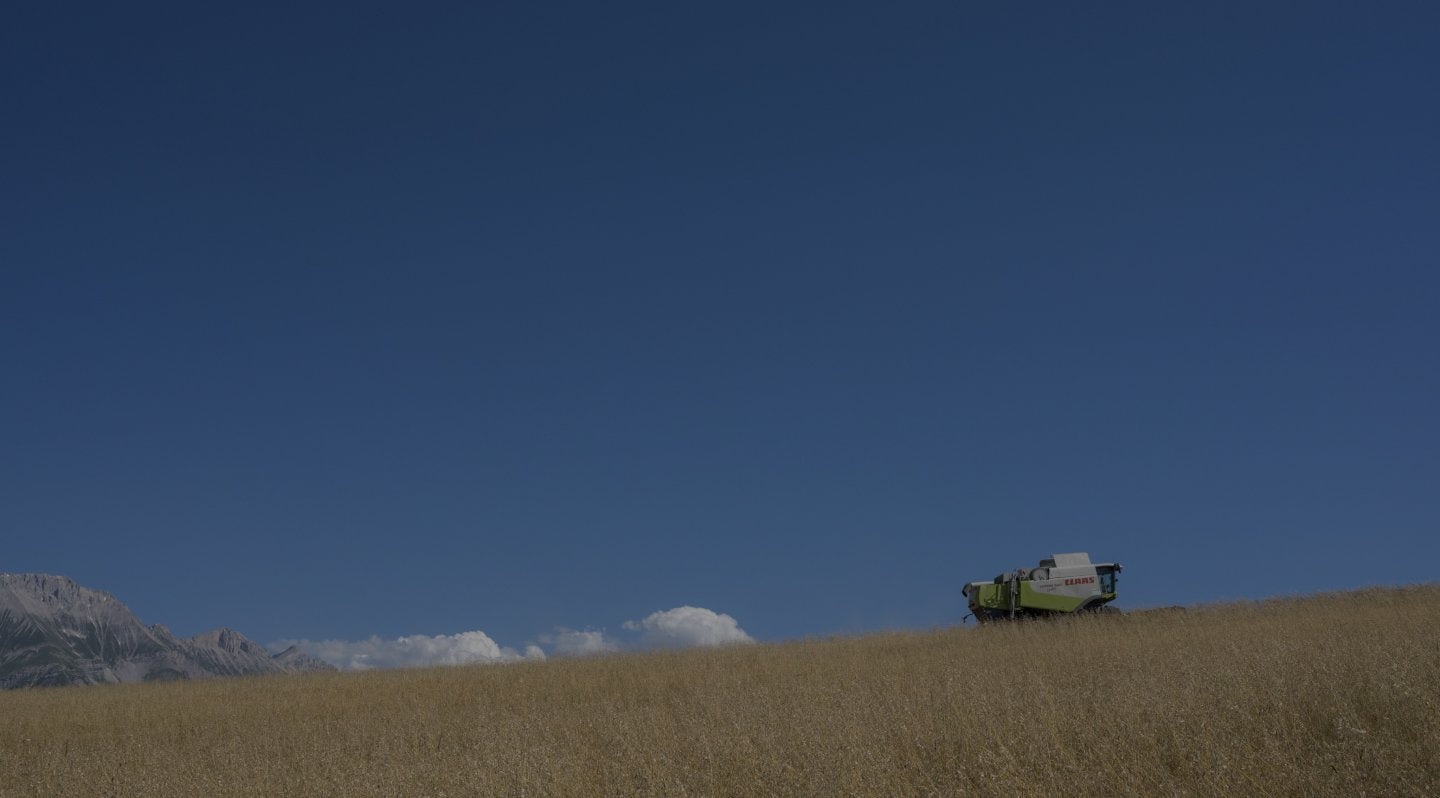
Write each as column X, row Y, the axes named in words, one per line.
column 54, row 631
column 300, row 661
column 227, row 639
column 48, row 594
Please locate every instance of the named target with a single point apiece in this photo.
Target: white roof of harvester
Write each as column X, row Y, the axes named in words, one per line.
column 1075, row 559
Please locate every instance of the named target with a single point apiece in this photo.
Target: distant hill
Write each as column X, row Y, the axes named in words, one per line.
column 55, row 632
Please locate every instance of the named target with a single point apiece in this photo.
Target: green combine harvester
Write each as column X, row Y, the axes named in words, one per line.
column 1063, row 584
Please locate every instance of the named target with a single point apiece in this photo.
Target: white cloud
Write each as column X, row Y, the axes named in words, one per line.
column 681, row 627
column 414, row 651
column 573, row 643
column 688, row 626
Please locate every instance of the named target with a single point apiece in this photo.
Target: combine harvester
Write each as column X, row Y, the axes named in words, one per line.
column 1063, row 584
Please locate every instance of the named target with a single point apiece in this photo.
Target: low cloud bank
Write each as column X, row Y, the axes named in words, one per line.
column 681, row 627
column 684, row 627
column 571, row 643
column 414, row 651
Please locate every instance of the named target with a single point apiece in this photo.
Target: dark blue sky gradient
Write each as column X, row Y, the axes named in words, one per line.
column 376, row 319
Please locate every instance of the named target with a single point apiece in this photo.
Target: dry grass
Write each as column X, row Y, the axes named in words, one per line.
column 1328, row 695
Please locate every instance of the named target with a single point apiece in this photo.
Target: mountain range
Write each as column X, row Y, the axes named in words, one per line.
column 56, row 632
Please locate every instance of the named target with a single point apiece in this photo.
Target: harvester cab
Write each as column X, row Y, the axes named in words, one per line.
column 1065, row 583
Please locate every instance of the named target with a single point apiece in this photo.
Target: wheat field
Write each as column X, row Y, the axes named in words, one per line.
column 1336, row 694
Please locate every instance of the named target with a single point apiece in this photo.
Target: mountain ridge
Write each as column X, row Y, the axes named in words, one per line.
column 54, row 631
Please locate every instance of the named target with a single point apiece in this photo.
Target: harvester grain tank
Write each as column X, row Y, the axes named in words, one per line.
column 1065, row 583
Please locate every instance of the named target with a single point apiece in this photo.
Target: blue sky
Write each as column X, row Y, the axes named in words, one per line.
column 346, row 320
